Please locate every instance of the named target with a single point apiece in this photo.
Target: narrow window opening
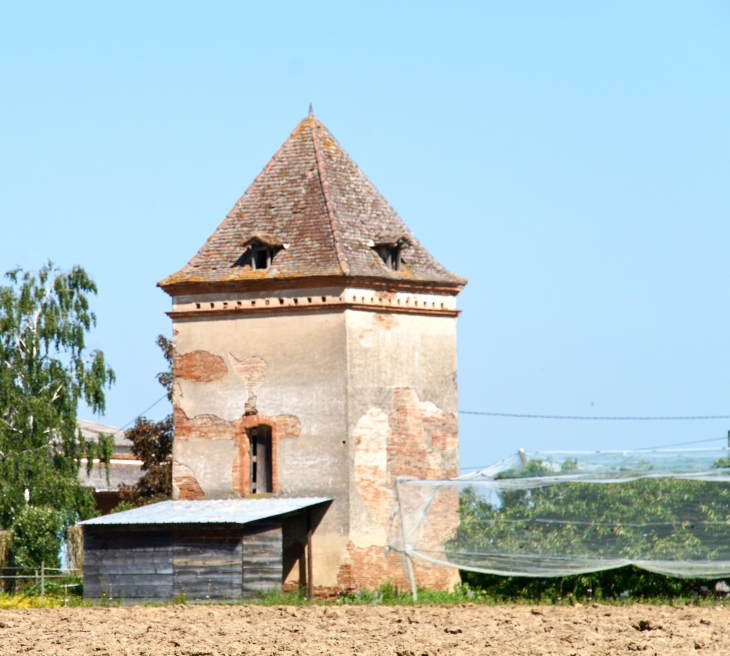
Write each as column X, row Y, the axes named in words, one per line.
column 260, row 451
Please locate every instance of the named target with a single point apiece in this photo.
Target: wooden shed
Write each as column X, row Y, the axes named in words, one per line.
column 202, row 550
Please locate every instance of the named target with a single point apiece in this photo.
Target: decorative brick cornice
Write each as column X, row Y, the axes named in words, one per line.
column 236, row 311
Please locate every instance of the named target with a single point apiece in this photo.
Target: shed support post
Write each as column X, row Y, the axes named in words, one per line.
column 310, row 564
column 409, row 560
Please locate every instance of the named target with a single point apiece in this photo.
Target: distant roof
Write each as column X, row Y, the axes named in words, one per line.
column 218, row 511
column 91, row 430
column 312, row 199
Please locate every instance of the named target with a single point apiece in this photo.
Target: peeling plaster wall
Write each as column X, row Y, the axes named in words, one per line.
column 288, row 371
column 402, row 419
column 354, row 398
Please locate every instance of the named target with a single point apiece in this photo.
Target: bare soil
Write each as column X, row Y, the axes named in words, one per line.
column 392, row 630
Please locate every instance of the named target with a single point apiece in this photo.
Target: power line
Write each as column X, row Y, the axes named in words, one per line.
column 587, row 418
column 164, row 396
column 666, row 446
column 648, row 448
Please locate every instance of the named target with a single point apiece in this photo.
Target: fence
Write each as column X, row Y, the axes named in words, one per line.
column 12, row 579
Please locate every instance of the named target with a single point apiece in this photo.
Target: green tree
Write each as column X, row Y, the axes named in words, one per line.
column 152, row 444
column 45, row 370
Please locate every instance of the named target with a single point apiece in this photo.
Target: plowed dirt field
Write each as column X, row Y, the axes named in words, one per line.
column 365, row 630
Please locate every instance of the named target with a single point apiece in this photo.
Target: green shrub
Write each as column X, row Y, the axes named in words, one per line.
column 37, row 535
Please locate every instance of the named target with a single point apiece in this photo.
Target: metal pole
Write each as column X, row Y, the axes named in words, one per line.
column 409, row 561
column 310, row 564
column 43, row 579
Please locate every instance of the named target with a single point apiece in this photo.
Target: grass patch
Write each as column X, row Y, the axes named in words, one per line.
column 636, row 586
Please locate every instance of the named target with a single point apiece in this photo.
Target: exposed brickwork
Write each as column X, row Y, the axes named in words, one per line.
column 200, row 367
column 184, row 485
column 416, row 439
column 371, row 567
column 423, row 439
column 204, row 427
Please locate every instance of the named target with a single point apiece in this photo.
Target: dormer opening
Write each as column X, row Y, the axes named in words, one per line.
column 390, row 251
column 258, row 255
column 390, row 255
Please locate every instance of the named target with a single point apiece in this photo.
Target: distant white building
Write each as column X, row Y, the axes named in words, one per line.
column 124, row 468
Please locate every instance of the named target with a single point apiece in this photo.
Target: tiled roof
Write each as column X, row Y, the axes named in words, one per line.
column 312, row 199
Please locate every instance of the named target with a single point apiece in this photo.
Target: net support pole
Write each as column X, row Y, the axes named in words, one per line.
column 406, row 550
column 310, row 563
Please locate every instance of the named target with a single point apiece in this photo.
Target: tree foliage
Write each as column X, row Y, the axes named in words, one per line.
column 45, row 370
column 152, row 444
column 642, row 519
column 37, row 536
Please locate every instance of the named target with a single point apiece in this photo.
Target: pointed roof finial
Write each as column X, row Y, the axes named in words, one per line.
column 311, row 111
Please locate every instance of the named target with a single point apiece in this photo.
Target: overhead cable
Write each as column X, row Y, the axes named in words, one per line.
column 648, row 448
column 589, row 418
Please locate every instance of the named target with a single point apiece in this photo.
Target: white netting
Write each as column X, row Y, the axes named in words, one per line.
column 557, row 514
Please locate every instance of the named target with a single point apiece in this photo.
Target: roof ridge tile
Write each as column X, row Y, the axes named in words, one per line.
column 326, row 192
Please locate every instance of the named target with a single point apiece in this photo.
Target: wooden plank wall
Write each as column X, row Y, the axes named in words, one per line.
column 127, row 564
column 262, row 557
column 200, row 561
column 207, row 563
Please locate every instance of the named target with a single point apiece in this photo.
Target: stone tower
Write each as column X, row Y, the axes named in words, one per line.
column 315, row 355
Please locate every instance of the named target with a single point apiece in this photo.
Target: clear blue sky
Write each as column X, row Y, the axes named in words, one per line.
column 572, row 159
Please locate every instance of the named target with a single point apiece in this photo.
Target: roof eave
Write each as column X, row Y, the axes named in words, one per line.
column 187, row 287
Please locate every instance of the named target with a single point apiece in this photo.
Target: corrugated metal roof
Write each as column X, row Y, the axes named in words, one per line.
column 218, row 511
